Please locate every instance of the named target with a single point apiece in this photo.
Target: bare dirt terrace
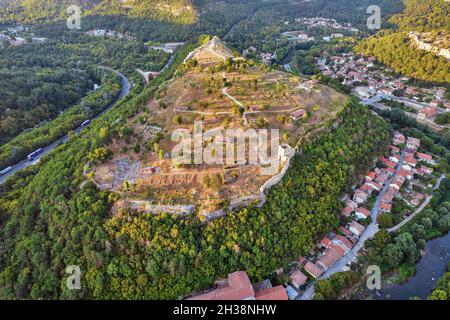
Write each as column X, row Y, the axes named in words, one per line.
column 222, row 92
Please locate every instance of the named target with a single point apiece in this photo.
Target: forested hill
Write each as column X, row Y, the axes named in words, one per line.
column 52, row 216
column 395, row 48
column 424, row 15
column 38, row 11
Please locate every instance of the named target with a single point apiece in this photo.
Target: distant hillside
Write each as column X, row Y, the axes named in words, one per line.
column 424, row 15
column 38, row 11
column 427, row 19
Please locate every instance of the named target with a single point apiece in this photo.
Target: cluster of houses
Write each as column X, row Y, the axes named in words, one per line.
column 335, row 245
column 319, row 22
column 367, row 80
column 109, row 33
column 19, row 41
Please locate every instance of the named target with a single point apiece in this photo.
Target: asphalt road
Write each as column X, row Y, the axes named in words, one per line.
column 351, row 255
column 25, row 163
column 422, row 206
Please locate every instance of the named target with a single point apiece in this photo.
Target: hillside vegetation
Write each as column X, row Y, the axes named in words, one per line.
column 396, row 49
column 50, row 219
column 38, row 11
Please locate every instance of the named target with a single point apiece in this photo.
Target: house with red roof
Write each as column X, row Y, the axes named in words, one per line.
column 301, row 113
column 352, row 204
column 385, row 207
column 346, row 232
column 396, row 184
column 412, row 143
column 347, row 211
column 425, row 157
column 356, row 228
column 362, row 213
column 395, row 149
column 426, row 170
column 375, row 185
column 427, row 113
column 313, row 269
column 398, row 139
column 329, row 257
column 360, row 196
column 274, row 294
column 390, row 171
column 298, row 278
column 382, row 178
column 394, row 158
column 325, row 242
column 371, row 176
column 343, row 242
column 366, row 188
column 405, row 173
column 239, row 288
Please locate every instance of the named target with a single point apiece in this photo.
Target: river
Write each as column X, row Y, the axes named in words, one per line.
column 430, row 268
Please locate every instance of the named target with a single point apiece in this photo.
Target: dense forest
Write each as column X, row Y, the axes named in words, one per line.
column 52, row 218
column 30, row 96
column 424, row 15
column 41, row 136
column 42, row 80
column 39, row 11
column 395, row 50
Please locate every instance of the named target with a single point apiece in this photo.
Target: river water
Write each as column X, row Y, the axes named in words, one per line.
column 430, row 268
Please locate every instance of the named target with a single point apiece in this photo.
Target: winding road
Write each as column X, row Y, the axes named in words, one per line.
column 126, row 86
column 418, row 210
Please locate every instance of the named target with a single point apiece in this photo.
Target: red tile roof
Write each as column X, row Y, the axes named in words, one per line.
column 313, row 269
column 424, row 156
column 239, row 287
column 385, row 207
column 366, row 188
column 325, row 242
column 345, row 231
column 344, row 241
column 347, row 211
column 363, row 211
column 298, row 277
column 390, row 170
column 275, row 293
column 372, row 175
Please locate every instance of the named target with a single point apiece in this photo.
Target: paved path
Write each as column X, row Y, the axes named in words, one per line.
column 352, row 254
column 418, row 210
column 45, row 150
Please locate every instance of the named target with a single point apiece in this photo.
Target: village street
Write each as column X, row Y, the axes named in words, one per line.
column 352, row 254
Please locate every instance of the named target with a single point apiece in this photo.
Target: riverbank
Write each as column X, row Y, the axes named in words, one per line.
column 429, row 269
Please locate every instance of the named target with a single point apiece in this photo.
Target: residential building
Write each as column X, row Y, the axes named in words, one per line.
column 360, row 196
column 301, row 113
column 425, row 157
column 412, row 143
column 313, row 269
column 362, row 213
column 239, row 288
column 385, row 207
column 347, row 211
column 274, row 294
column 298, row 278
column 356, row 228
